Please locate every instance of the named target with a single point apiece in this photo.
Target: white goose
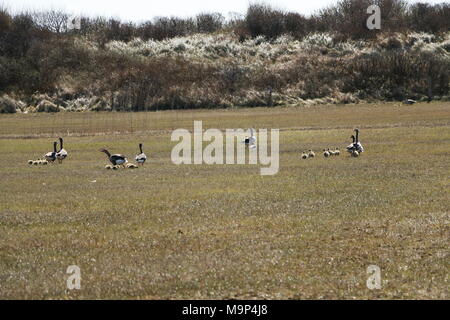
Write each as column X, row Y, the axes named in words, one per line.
column 140, row 158
column 251, row 141
column 62, row 153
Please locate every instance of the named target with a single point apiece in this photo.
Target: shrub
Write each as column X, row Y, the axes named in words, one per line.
column 9, row 105
column 429, row 18
column 209, row 22
column 262, row 20
column 47, row 106
column 5, row 20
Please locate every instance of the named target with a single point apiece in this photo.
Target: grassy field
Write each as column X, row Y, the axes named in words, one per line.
column 223, row 231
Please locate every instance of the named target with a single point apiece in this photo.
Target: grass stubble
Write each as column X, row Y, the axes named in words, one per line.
column 223, row 231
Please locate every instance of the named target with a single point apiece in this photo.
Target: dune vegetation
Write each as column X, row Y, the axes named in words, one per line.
column 266, row 57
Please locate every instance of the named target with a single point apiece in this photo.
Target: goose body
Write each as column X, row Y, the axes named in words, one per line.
column 51, row 156
column 409, row 101
column 115, row 159
column 351, row 146
column 250, row 141
column 62, row 153
column 141, row 158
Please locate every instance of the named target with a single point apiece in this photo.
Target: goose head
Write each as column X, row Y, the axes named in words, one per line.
column 105, row 152
column 60, row 143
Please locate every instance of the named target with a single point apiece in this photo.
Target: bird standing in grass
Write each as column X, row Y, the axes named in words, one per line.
column 409, row 101
column 351, row 147
column 115, row 159
column 250, row 141
column 62, row 153
column 304, row 156
column 141, row 157
column 51, row 156
column 311, row 154
column 326, row 154
column 358, row 145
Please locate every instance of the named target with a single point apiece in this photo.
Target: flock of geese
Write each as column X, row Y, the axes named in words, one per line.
column 118, row 160
column 52, row 156
column 355, row 149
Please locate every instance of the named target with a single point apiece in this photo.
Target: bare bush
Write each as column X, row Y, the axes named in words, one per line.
column 429, row 18
column 262, row 20
column 209, row 22
column 51, row 20
column 10, row 105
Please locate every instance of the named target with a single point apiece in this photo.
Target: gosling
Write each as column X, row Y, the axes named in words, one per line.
column 326, row 154
column 131, row 166
column 355, row 154
column 311, row 154
column 331, row 152
column 337, row 152
column 304, row 156
column 108, row 167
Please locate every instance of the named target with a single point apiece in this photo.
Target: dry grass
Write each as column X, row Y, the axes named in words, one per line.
column 166, row 231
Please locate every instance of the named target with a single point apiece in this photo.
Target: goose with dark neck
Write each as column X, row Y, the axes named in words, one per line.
column 351, row 146
column 358, row 145
column 115, row 159
column 51, row 156
column 62, row 153
column 141, row 157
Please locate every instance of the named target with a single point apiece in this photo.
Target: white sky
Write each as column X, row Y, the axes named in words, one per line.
column 141, row 10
